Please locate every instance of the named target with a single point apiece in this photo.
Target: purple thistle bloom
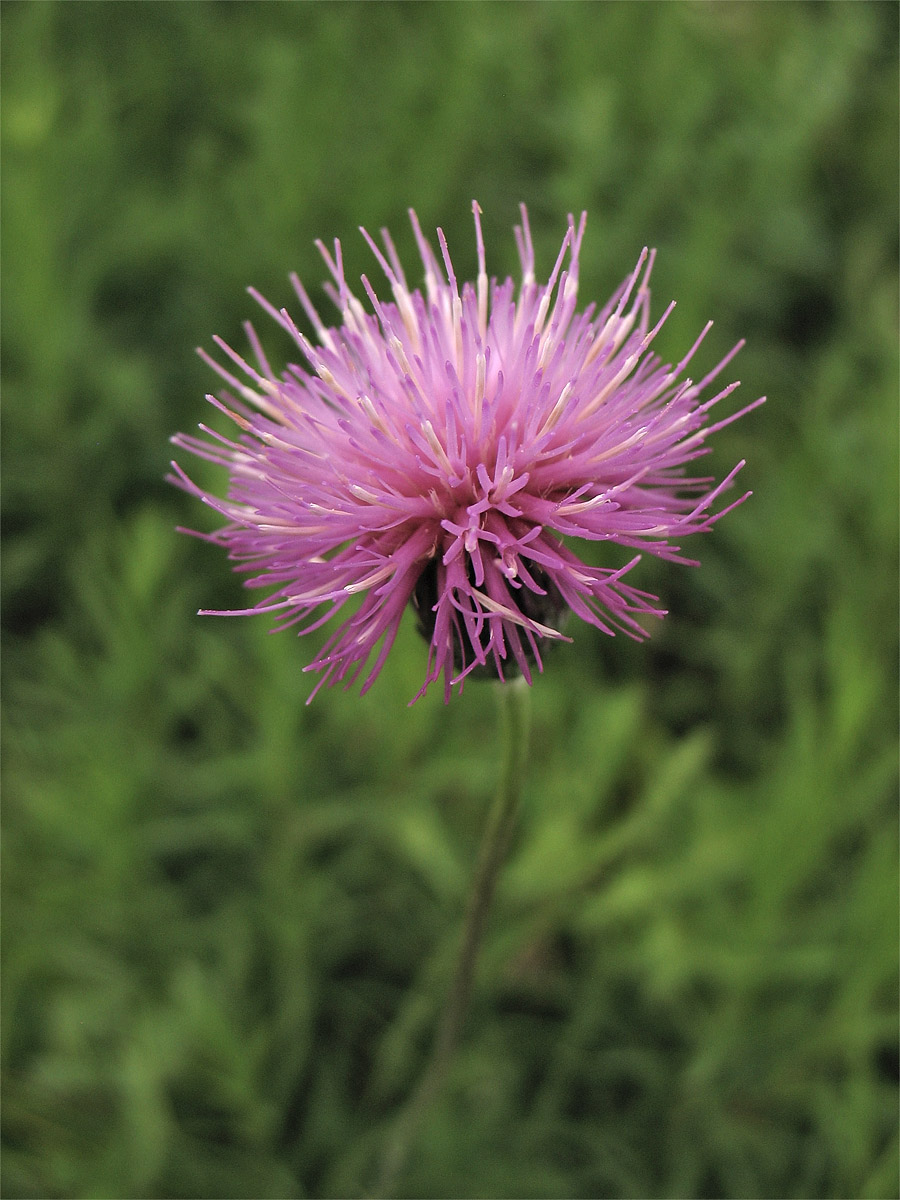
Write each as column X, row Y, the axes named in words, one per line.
column 440, row 450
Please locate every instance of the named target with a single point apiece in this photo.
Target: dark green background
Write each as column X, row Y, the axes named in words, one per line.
column 229, row 918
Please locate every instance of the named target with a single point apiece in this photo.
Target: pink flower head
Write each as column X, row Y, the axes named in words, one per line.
column 442, row 449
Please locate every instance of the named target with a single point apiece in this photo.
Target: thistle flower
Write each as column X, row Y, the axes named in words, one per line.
column 440, row 451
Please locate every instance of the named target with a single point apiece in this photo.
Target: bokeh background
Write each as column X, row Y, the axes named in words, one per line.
column 229, row 918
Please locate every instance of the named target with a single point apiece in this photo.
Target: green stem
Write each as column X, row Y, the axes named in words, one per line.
column 514, row 699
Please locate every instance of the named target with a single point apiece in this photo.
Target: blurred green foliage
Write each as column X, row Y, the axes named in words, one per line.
column 230, row 918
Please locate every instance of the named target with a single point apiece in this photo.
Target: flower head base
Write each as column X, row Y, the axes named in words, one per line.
column 439, row 450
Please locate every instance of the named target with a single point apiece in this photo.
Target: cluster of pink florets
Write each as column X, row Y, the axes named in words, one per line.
column 438, row 450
